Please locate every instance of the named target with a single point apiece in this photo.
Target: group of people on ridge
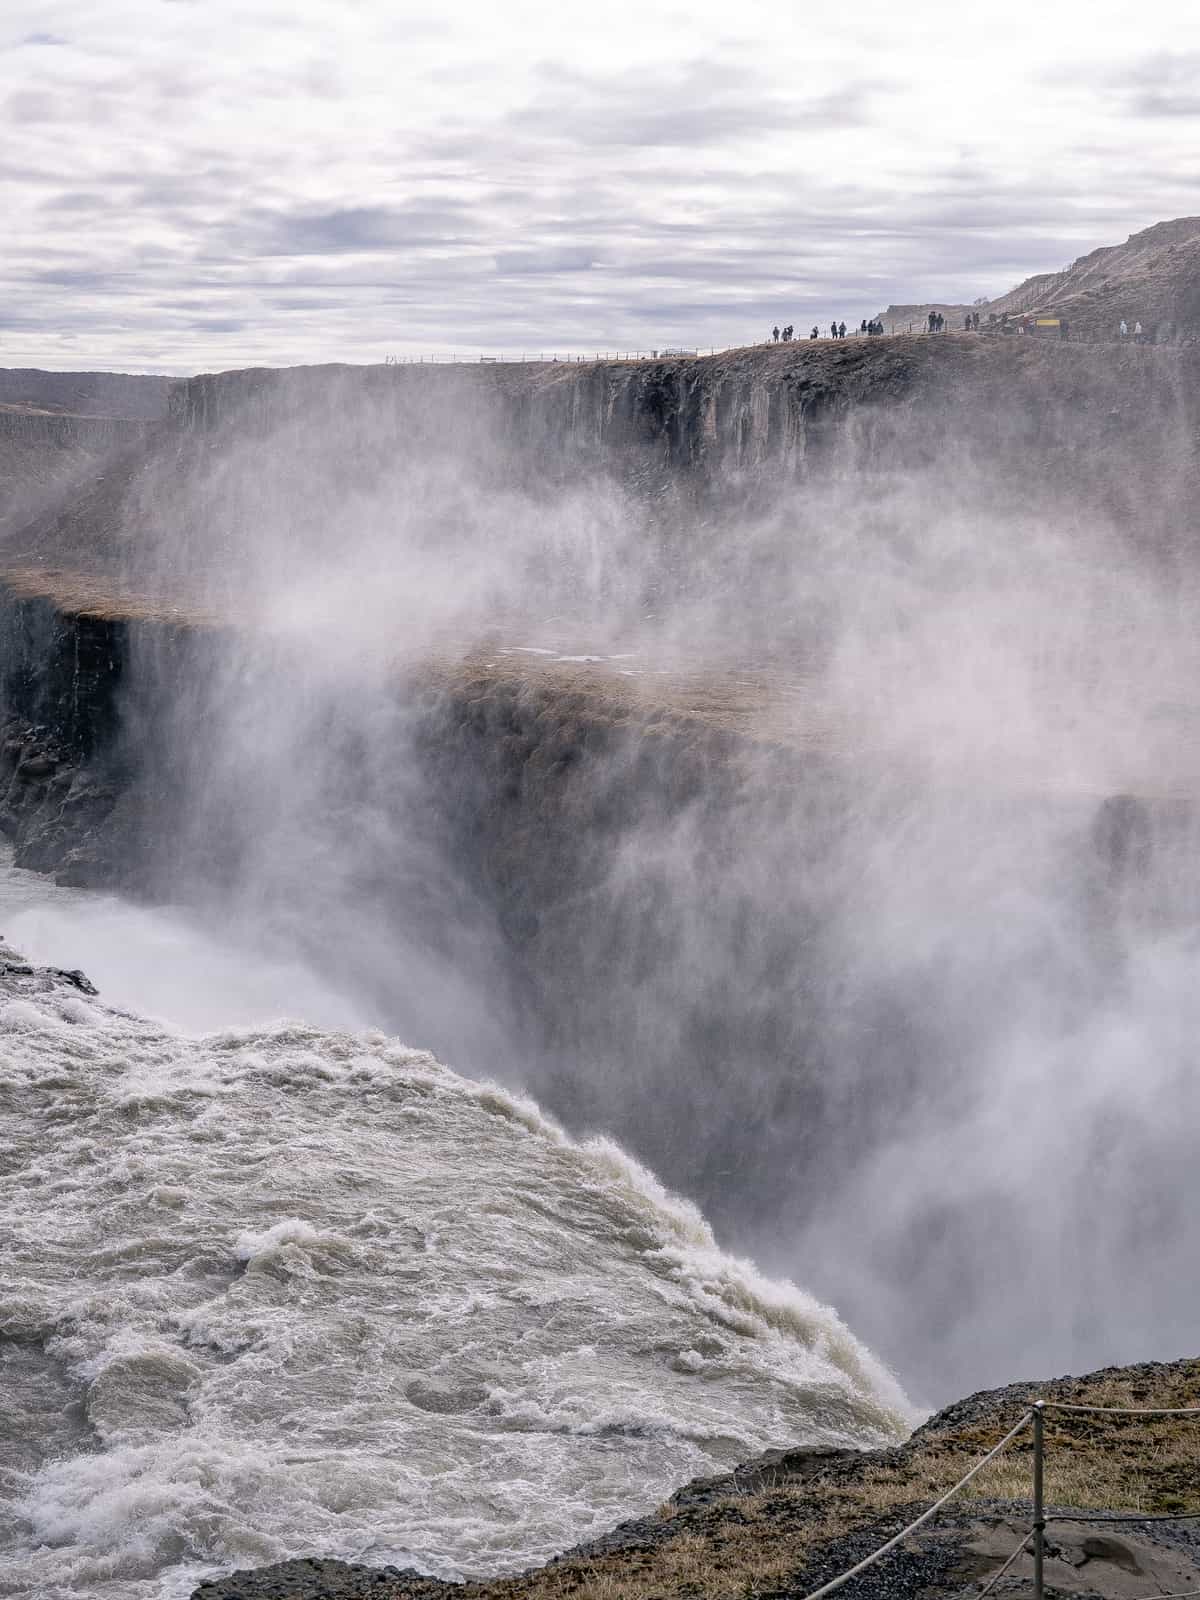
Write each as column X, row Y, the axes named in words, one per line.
column 971, row 322
column 871, row 327
column 837, row 330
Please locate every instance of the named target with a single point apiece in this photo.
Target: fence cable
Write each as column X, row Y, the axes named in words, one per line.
column 1047, row 1405
column 1127, row 1516
column 869, row 1561
column 1125, row 1411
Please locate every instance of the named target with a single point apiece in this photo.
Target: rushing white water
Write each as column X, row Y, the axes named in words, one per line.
column 275, row 1290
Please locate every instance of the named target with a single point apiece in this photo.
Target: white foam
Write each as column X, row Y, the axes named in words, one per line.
column 293, row 1278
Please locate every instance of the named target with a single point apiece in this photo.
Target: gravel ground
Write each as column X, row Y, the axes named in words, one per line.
column 960, row 1551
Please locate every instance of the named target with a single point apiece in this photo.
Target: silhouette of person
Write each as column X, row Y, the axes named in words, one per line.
column 775, row 334
column 814, row 334
column 842, row 331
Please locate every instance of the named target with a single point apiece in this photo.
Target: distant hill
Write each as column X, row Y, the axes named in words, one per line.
column 136, row 397
column 1154, row 278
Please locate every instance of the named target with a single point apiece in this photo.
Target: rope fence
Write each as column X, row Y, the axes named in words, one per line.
column 836, row 1583
column 1037, row 1532
column 572, row 357
column 558, row 357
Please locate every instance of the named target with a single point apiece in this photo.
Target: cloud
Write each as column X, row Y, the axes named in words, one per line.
column 1163, row 85
column 1158, row 86
column 77, row 200
column 216, row 324
column 702, row 103
column 32, row 105
column 96, row 282
column 520, row 263
column 358, row 230
column 330, row 183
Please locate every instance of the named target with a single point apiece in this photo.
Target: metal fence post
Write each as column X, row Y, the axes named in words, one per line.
column 1039, row 1509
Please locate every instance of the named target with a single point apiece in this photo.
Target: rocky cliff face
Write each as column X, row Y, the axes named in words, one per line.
column 67, row 767
column 1088, row 435
column 1110, row 429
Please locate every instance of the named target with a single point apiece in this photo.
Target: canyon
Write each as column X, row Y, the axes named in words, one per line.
column 638, row 785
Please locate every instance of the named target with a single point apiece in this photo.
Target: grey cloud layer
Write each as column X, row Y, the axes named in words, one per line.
column 148, row 225
column 1164, row 85
column 704, row 103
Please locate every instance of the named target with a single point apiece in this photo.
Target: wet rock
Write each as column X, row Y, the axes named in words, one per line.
column 312, row 1578
column 77, row 979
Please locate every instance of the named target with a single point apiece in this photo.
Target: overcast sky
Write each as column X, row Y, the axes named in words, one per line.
column 192, row 184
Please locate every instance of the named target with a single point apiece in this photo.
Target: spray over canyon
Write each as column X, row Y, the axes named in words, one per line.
column 781, row 768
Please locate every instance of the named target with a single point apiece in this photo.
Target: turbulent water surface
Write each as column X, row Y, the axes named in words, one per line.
column 273, row 1290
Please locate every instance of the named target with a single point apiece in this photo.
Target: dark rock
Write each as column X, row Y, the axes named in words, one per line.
column 76, row 978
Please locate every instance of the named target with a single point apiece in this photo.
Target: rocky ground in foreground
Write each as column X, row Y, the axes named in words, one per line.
column 780, row 1526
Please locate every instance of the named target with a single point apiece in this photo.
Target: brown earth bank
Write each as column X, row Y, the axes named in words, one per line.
column 785, row 1523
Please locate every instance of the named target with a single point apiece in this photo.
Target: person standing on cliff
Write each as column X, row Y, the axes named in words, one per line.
column 814, row 334
column 775, row 334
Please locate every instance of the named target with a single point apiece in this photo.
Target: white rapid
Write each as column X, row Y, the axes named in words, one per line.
column 273, row 1290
